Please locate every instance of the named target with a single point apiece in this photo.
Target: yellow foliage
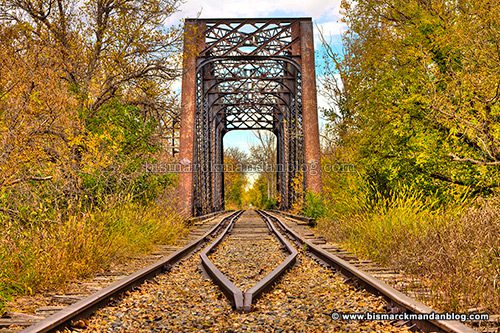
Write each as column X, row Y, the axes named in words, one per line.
column 298, row 188
column 45, row 256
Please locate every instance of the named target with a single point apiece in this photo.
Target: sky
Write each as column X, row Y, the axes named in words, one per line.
column 325, row 15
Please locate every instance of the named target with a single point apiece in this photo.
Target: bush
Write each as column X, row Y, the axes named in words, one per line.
column 314, row 206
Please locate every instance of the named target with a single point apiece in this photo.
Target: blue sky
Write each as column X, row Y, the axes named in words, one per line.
column 325, row 14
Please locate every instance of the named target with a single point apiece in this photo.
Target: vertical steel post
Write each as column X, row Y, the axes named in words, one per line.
column 310, row 108
column 193, row 44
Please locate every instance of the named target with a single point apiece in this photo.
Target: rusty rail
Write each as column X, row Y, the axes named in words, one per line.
column 205, row 217
column 99, row 299
column 243, row 301
column 374, row 285
column 230, row 289
column 309, row 220
column 250, row 295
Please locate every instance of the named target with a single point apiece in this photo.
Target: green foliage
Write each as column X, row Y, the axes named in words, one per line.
column 57, row 233
column 412, row 109
column 262, row 194
column 235, row 179
column 257, row 196
column 269, row 203
column 125, row 128
column 233, row 193
column 416, row 114
column 88, row 110
column 314, row 206
column 148, row 187
column 141, row 186
column 117, row 145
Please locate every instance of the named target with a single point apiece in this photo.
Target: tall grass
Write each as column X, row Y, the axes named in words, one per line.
column 45, row 255
column 455, row 249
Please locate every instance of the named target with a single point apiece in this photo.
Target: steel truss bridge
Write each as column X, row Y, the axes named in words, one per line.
column 247, row 74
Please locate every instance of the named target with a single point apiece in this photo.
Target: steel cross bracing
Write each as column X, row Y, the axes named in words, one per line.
column 247, row 75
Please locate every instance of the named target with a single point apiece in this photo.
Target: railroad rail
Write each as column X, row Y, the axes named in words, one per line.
column 399, row 301
column 242, row 300
column 86, row 306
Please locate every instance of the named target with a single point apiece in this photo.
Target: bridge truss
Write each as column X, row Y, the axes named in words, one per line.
column 251, row 74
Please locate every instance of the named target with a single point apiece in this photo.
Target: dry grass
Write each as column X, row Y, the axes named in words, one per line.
column 35, row 257
column 457, row 251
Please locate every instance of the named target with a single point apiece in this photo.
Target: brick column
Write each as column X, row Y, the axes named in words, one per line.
column 310, row 108
column 193, row 44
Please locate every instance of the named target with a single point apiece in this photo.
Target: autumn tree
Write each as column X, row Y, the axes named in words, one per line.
column 264, row 156
column 85, row 92
column 235, row 177
column 85, row 102
column 416, row 94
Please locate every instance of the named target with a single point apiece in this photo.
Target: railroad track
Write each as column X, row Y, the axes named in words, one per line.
column 249, row 253
column 69, row 315
column 408, row 285
column 248, row 233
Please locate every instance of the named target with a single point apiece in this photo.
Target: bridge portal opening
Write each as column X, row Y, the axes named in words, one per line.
column 251, row 171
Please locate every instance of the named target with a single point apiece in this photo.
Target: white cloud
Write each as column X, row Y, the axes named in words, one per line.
column 258, row 8
column 332, row 27
column 324, row 12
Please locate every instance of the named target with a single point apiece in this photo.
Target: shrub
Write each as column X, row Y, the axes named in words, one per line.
column 314, row 206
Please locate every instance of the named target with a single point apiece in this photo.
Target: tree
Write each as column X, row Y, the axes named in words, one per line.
column 418, row 103
column 106, row 48
column 84, row 93
column 264, row 155
column 235, row 179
